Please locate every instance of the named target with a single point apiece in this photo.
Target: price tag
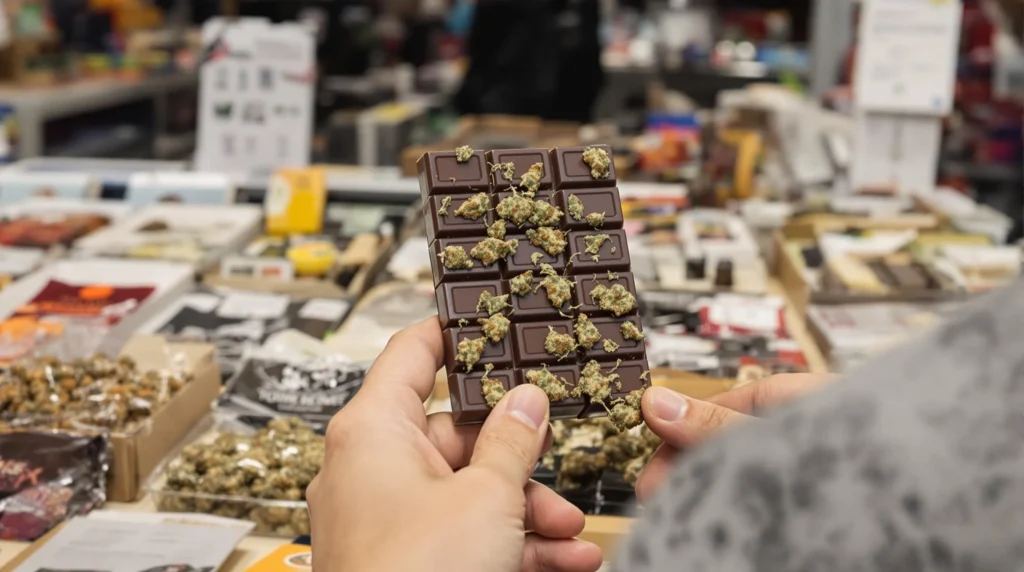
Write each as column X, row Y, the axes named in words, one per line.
column 907, row 57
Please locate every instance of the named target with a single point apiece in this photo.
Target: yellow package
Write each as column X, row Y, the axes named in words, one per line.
column 295, row 200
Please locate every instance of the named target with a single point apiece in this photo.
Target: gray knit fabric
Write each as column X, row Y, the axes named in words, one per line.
column 913, row 463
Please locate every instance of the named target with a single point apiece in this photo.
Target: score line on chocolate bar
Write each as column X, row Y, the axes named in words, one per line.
column 531, row 271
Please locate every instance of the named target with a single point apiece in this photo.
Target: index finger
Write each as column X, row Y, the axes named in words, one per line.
column 770, row 391
column 409, row 363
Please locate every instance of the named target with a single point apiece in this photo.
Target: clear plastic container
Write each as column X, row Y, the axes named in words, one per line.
column 272, row 516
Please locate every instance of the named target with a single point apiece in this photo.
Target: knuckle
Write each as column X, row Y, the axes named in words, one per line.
column 713, row 416
column 338, row 435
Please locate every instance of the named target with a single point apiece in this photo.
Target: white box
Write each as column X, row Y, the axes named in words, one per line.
column 197, row 234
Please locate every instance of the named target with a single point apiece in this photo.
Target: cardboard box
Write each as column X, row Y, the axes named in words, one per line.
column 138, row 453
column 790, row 270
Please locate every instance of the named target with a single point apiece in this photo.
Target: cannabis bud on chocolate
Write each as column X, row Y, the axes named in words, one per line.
column 531, row 178
column 490, row 250
column 558, row 288
column 554, row 386
column 474, row 207
column 462, row 154
column 521, row 285
column 469, row 351
column 575, row 206
column 515, row 208
column 455, row 258
column 559, row 345
column 586, row 332
column 495, row 327
column 617, row 299
column 598, row 161
column 492, row 304
column 491, row 389
column 549, row 239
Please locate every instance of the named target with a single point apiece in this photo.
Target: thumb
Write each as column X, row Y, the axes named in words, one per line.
column 512, row 438
column 681, row 421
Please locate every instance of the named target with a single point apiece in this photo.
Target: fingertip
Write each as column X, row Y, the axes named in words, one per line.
column 662, row 405
column 529, row 404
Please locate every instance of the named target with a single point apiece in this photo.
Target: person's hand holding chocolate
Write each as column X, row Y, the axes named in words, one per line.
column 403, row 491
column 683, row 421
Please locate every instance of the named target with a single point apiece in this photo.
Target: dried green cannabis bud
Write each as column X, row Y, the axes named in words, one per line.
column 610, row 346
column 575, row 207
column 598, row 387
column 631, row 474
column 492, row 304
column 579, row 468
column 496, row 327
column 631, row 332
column 598, row 161
column 625, row 413
column 507, row 170
column 462, row 154
column 497, row 230
column 645, row 376
column 622, row 448
column 490, row 250
column 549, row 239
column 468, row 351
column 536, row 257
column 474, row 207
column 553, row 385
column 516, row 209
column 520, row 285
column 491, row 389
column 545, row 213
column 558, row 288
column 612, row 276
column 445, row 203
column 531, row 178
column 586, row 332
column 455, row 258
column 595, row 220
column 463, row 322
column 594, row 242
column 616, row 299
column 559, row 345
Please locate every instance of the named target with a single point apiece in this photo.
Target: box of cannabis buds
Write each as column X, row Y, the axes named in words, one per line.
column 147, row 400
column 234, row 467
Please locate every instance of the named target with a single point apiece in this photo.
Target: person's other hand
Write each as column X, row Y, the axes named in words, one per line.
column 681, row 421
column 401, row 491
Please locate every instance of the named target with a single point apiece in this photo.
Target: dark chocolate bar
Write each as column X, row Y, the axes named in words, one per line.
column 531, row 270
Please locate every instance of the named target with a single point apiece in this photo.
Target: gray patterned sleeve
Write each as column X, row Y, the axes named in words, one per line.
column 913, row 463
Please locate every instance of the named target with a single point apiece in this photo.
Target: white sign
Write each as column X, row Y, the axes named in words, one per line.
column 907, row 58
column 17, row 186
column 256, row 97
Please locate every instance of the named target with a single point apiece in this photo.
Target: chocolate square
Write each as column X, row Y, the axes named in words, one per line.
column 477, row 272
column 569, row 408
column 520, row 262
column 511, row 228
column 629, row 376
column 572, row 173
column 450, row 225
column 468, row 404
column 535, row 306
column 585, row 284
column 499, row 354
column 523, row 159
column 611, row 329
column 458, row 300
column 583, row 262
column 440, row 173
column 528, row 343
column 594, row 201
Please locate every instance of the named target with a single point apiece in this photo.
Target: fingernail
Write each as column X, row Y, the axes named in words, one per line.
column 528, row 406
column 667, row 404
